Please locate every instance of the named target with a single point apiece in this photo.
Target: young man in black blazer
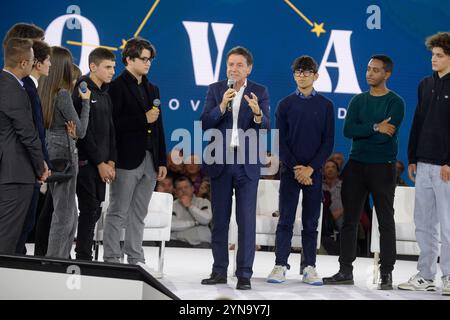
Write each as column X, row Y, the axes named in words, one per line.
column 141, row 152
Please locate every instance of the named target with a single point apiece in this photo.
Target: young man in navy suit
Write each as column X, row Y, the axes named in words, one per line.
column 237, row 111
column 41, row 67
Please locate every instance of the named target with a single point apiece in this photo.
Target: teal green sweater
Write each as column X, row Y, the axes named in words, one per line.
column 363, row 112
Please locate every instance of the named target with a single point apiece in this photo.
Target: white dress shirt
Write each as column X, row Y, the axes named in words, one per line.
column 236, row 106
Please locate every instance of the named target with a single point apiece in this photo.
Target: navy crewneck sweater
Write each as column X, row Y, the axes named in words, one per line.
column 306, row 130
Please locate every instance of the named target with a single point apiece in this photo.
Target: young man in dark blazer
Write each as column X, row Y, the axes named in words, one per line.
column 97, row 150
column 141, row 152
column 41, row 67
column 21, row 158
column 239, row 109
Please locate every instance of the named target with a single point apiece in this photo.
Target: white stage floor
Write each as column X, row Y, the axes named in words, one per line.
column 184, row 268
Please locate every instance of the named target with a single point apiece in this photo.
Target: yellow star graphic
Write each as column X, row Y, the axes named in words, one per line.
column 318, row 29
column 124, row 42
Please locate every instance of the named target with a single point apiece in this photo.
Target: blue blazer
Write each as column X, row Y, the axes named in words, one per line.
column 38, row 117
column 212, row 118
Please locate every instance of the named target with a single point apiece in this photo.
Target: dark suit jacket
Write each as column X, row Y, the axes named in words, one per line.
column 131, row 124
column 21, row 158
column 38, row 117
column 212, row 118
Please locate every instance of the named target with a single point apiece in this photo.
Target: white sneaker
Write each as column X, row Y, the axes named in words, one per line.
column 446, row 286
column 278, row 274
column 310, row 276
column 418, row 283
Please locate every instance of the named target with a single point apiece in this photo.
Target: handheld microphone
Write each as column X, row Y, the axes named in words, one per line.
column 83, row 86
column 231, row 82
column 156, row 103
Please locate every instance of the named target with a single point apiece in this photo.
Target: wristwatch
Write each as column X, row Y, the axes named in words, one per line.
column 376, row 127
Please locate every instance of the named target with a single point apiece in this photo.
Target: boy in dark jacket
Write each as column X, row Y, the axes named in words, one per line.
column 97, row 150
column 429, row 158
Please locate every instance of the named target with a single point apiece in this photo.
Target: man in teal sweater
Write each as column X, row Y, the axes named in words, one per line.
column 372, row 121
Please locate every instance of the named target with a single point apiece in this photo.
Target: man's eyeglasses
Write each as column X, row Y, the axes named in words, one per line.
column 145, row 59
column 305, row 73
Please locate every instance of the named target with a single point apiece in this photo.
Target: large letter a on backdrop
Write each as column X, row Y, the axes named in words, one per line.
column 201, row 53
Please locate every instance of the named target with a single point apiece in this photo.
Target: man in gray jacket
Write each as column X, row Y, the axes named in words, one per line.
column 21, row 158
column 191, row 216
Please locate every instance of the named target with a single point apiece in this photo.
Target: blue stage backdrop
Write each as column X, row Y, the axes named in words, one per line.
column 192, row 38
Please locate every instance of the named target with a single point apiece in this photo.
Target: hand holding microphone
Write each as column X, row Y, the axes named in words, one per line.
column 85, row 93
column 227, row 100
column 153, row 114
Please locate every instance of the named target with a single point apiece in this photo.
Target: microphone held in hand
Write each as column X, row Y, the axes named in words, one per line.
column 156, row 103
column 230, row 83
column 83, row 86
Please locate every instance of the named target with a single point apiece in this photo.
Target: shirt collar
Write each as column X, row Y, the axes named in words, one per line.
column 301, row 95
column 133, row 79
column 36, row 83
column 20, row 81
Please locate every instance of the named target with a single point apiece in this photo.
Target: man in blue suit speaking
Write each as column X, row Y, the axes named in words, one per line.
column 237, row 109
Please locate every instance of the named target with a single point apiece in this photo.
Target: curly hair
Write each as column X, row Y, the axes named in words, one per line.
column 441, row 40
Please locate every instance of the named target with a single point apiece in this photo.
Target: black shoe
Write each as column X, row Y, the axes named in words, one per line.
column 385, row 282
column 215, row 278
column 243, row 284
column 339, row 278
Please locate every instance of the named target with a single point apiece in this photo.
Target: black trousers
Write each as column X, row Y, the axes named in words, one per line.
column 15, row 200
column 359, row 180
column 90, row 192
column 43, row 226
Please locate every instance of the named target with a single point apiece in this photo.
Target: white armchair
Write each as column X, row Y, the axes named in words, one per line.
column 157, row 223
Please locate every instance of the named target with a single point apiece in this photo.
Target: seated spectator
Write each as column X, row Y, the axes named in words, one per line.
column 333, row 211
column 338, row 157
column 400, row 168
column 205, row 189
column 166, row 185
column 333, row 185
column 191, row 217
column 192, row 170
column 175, row 165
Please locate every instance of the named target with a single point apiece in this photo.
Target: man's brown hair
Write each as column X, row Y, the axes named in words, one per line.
column 24, row 30
column 16, row 50
column 441, row 40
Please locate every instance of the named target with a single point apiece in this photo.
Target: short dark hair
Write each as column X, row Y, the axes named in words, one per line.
column 305, row 63
column 334, row 162
column 24, row 30
column 243, row 52
column 181, row 179
column 17, row 50
column 99, row 54
column 441, row 40
column 388, row 64
column 41, row 50
column 134, row 47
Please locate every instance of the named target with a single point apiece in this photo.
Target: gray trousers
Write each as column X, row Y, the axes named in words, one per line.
column 14, row 202
column 432, row 217
column 129, row 196
column 64, row 217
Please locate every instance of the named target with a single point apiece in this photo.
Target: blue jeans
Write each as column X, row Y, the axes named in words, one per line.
column 431, row 211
